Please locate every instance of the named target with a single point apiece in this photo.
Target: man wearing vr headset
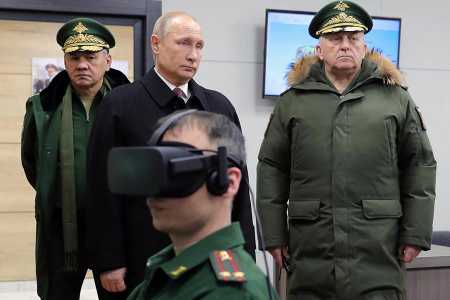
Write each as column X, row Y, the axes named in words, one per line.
column 198, row 156
column 121, row 236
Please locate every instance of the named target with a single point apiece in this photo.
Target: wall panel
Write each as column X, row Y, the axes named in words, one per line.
column 17, row 246
column 16, row 194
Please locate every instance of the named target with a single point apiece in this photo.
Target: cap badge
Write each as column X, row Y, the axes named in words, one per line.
column 341, row 6
column 80, row 28
column 83, row 41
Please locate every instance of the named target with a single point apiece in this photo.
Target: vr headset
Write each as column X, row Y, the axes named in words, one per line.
column 167, row 169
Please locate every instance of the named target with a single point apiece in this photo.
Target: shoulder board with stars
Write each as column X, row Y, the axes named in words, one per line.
column 226, row 267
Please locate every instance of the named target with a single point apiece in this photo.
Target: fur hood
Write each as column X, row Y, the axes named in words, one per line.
column 386, row 69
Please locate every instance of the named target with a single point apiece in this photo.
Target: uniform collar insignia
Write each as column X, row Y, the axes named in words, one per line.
column 178, row 271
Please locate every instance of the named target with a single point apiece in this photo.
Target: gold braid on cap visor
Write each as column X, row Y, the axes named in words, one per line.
column 86, row 42
column 342, row 22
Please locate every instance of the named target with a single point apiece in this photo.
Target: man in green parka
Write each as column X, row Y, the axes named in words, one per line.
column 54, row 142
column 346, row 174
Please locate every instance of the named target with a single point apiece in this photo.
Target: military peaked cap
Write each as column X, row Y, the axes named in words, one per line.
column 340, row 16
column 84, row 34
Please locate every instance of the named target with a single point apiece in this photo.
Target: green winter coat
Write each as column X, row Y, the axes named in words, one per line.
column 214, row 268
column 39, row 154
column 344, row 180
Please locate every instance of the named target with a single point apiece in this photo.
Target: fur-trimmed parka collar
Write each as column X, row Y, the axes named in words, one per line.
column 386, row 70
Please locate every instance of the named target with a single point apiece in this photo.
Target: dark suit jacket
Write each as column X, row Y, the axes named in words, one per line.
column 120, row 228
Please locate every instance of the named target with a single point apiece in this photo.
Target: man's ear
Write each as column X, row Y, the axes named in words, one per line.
column 234, row 180
column 108, row 61
column 319, row 51
column 65, row 60
column 154, row 41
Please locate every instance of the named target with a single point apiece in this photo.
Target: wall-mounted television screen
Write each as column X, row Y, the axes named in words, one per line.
column 287, row 39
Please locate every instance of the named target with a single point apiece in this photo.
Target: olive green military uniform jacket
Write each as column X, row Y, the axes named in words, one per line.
column 216, row 267
column 344, row 180
column 41, row 162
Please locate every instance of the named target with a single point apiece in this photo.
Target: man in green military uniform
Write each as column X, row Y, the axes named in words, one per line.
column 54, row 142
column 346, row 174
column 207, row 259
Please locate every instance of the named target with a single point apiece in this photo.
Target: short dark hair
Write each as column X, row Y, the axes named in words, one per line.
column 219, row 129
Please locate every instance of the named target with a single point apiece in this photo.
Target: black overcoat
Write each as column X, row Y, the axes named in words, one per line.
column 120, row 228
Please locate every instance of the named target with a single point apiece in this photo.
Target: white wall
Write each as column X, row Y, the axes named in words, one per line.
column 232, row 64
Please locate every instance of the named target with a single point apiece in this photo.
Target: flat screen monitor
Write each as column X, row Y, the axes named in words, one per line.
column 287, row 39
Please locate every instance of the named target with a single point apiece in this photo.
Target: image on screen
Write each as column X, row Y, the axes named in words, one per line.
column 287, row 39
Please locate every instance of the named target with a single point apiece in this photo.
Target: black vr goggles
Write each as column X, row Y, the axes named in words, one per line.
column 167, row 169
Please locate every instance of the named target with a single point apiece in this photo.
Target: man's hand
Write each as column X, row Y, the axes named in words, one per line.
column 277, row 254
column 113, row 281
column 408, row 253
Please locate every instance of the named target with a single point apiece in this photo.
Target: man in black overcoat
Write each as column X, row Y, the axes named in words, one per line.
column 121, row 236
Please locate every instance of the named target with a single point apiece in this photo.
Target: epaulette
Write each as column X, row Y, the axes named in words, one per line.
column 226, row 267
